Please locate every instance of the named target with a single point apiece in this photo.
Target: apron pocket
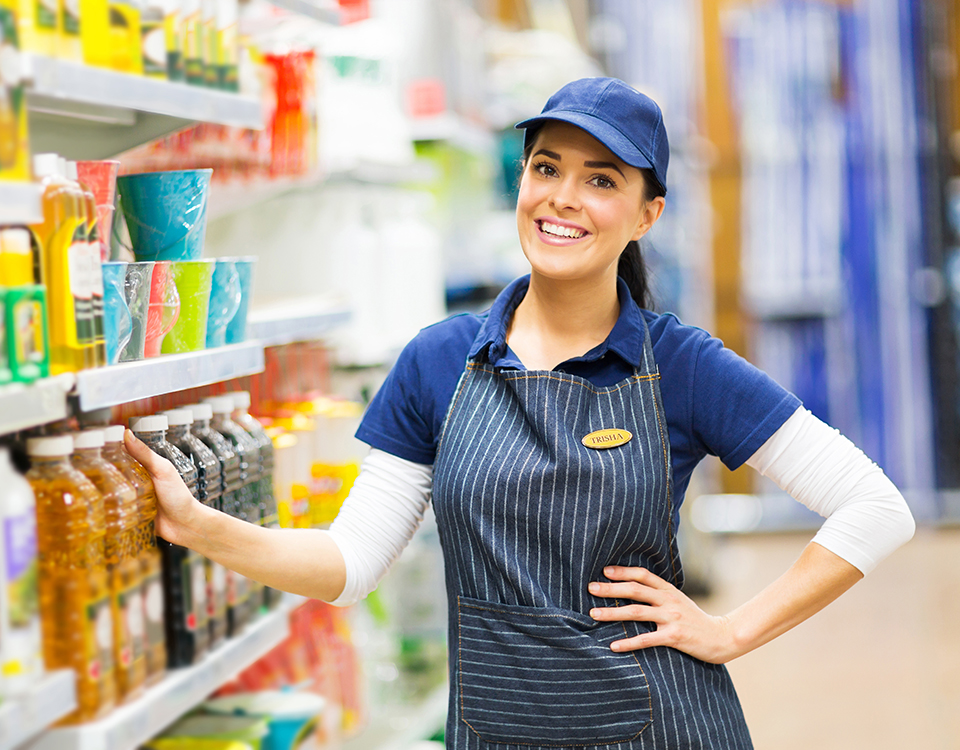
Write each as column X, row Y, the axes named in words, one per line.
column 546, row 677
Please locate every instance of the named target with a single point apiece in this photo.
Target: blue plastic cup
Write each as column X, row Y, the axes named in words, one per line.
column 237, row 327
column 117, row 322
column 166, row 213
column 224, row 301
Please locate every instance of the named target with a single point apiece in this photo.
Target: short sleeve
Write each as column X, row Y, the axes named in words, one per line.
column 736, row 406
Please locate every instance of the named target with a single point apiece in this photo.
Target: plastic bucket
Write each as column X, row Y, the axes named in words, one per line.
column 117, row 321
column 193, row 279
column 224, row 301
column 237, row 327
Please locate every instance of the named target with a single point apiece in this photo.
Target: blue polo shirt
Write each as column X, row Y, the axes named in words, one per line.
column 715, row 402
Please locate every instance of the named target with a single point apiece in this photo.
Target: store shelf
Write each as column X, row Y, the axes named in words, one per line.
column 130, row 381
column 402, row 726
column 459, row 132
column 23, row 406
column 132, row 724
column 320, row 10
column 26, row 716
column 228, row 198
column 297, row 320
column 20, row 203
column 83, row 112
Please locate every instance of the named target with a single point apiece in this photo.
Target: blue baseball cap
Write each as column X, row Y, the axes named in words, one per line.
column 627, row 122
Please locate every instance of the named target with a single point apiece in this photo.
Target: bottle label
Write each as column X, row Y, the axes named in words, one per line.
column 71, row 17
column 20, row 545
column 80, row 286
column 46, row 14
column 130, row 639
column 153, row 610
column 237, row 589
column 153, row 43
column 100, row 622
column 28, row 332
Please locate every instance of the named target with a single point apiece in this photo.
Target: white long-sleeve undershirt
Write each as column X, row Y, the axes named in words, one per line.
column 866, row 516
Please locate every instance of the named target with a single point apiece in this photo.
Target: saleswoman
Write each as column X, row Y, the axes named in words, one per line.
column 556, row 434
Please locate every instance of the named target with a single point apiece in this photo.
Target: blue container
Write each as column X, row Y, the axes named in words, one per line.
column 166, row 213
column 291, row 716
column 237, row 327
column 224, row 301
column 117, row 321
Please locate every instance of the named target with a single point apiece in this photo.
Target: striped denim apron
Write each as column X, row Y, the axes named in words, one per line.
column 528, row 516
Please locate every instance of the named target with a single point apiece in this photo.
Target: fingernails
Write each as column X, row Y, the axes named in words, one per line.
column 594, row 613
column 594, row 588
column 616, row 646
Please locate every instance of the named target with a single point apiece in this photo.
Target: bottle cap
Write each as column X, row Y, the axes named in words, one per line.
column 178, row 417
column 156, row 423
column 241, row 399
column 220, row 404
column 200, row 411
column 60, row 445
column 113, row 433
column 46, row 165
column 88, row 439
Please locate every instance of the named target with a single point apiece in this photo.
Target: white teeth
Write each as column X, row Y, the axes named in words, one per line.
column 559, row 231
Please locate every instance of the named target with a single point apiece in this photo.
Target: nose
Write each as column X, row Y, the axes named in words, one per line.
column 565, row 195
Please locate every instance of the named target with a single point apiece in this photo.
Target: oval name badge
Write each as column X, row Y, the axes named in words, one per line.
column 603, row 439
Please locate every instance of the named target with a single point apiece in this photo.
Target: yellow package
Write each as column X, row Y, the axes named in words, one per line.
column 125, row 37
column 14, row 141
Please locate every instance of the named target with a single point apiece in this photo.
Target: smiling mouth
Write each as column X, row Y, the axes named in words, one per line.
column 555, row 230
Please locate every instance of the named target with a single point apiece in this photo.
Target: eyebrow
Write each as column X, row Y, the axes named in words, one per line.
column 591, row 164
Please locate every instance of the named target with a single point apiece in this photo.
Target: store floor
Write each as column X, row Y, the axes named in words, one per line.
column 878, row 669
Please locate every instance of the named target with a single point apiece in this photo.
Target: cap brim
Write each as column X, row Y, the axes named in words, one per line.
column 608, row 135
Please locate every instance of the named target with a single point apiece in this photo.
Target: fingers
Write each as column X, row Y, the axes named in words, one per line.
column 628, row 613
column 639, row 575
column 142, row 453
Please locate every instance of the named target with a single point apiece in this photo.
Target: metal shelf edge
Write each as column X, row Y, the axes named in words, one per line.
column 20, row 203
column 27, row 405
column 52, row 698
column 273, row 330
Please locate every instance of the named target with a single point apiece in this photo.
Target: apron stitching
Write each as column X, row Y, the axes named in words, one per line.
column 461, row 387
column 666, row 467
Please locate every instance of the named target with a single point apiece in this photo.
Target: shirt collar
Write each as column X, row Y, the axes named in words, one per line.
column 625, row 340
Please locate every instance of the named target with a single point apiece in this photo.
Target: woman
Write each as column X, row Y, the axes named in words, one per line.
column 557, row 434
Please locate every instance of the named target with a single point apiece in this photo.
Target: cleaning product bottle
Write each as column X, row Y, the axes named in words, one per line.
column 209, row 42
column 153, row 39
column 184, row 571
column 24, row 314
column 173, row 25
column 92, row 263
column 191, row 34
column 209, row 491
column 14, row 136
column 76, row 622
column 125, row 36
column 20, row 660
column 95, row 33
column 123, row 564
column 38, row 23
column 151, row 565
column 228, row 50
column 267, row 502
column 60, row 245
column 249, row 452
column 69, row 45
column 238, row 594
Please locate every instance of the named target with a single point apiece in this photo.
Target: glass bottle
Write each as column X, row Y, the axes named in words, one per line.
column 238, row 596
column 184, row 573
column 151, row 564
column 249, row 451
column 209, row 491
column 75, row 614
column 269, row 514
column 123, row 564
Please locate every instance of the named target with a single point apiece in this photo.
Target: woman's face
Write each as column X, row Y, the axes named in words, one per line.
column 579, row 205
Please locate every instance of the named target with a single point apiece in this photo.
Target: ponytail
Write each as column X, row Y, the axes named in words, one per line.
column 632, row 268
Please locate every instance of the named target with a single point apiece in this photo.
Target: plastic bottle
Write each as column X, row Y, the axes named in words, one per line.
column 173, row 26
column 238, row 594
column 191, row 35
column 151, row 565
column 184, row 573
column 76, row 623
column 20, row 660
column 69, row 45
column 228, row 51
column 153, row 39
column 92, row 264
column 123, row 563
column 209, row 491
column 23, row 318
column 37, row 23
column 125, row 36
column 62, row 248
column 269, row 514
column 249, row 451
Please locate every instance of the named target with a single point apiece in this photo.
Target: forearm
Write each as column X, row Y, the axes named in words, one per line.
column 302, row 561
column 810, row 584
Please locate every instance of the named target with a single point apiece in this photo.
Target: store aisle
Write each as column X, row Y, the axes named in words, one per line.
column 878, row 669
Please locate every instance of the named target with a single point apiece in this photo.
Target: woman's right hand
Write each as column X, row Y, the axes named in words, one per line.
column 177, row 509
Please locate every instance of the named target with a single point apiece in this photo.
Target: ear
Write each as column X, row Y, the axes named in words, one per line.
column 652, row 211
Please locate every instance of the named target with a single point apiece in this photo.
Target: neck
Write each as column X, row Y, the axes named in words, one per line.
column 558, row 320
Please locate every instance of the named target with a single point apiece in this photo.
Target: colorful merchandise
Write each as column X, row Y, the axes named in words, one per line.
column 14, row 140
column 95, row 37
column 125, row 36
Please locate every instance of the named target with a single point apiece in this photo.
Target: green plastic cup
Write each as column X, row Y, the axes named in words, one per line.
column 193, row 279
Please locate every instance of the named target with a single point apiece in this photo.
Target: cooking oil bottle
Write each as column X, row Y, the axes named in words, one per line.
column 75, row 612
column 184, row 572
column 151, row 566
column 209, row 492
column 61, row 246
column 123, row 565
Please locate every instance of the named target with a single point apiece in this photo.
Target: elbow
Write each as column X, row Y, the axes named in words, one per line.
column 906, row 526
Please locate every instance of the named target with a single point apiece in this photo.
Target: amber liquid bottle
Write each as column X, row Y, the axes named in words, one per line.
column 151, row 565
column 75, row 615
column 123, row 563
column 209, row 492
column 184, row 571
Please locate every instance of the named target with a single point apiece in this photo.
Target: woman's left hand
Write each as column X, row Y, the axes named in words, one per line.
column 681, row 624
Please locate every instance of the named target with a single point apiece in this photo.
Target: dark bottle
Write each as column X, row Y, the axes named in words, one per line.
column 269, row 514
column 238, row 594
column 184, row 573
column 249, row 451
column 209, row 492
